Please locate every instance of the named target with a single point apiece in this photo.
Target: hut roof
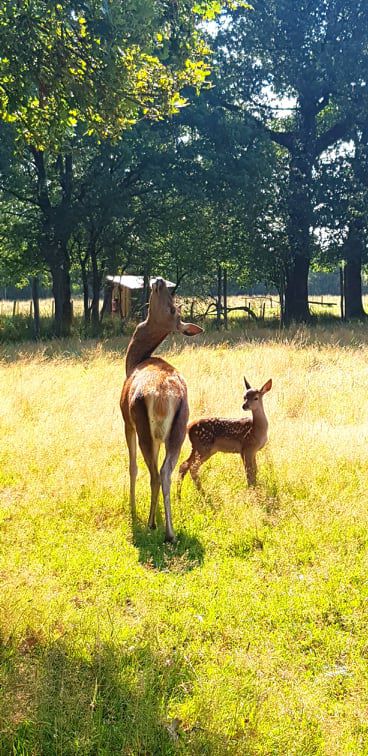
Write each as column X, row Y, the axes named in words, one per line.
column 134, row 282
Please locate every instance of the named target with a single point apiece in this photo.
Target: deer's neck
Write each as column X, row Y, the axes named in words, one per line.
column 146, row 338
column 260, row 422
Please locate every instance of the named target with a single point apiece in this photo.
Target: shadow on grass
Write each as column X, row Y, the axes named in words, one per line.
column 108, row 700
column 182, row 556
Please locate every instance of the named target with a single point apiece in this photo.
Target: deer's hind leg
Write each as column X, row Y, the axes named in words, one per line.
column 173, row 446
column 131, row 440
column 150, row 449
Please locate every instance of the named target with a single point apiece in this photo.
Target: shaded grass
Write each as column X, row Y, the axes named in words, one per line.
column 250, row 634
column 20, row 328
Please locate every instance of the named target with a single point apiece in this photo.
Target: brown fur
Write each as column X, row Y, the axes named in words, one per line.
column 154, row 400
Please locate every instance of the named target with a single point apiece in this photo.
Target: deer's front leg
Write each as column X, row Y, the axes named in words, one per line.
column 249, row 461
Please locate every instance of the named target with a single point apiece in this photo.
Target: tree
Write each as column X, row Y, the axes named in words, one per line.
column 238, row 179
column 355, row 246
column 342, row 198
column 315, row 54
column 73, row 69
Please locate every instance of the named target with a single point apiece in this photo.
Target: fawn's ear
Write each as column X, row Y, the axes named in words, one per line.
column 189, row 329
column 267, row 387
column 247, row 385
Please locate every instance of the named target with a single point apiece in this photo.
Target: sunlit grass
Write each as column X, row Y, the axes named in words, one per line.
column 247, row 637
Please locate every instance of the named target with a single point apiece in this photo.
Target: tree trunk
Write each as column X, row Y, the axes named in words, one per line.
column 354, row 251
column 296, row 292
column 96, row 286
column 299, row 234
column 281, row 290
column 62, row 296
column 300, row 212
column 107, row 301
column 56, row 225
column 36, row 307
column 353, row 289
column 86, row 311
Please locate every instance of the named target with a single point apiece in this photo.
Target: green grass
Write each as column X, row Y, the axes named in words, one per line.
column 249, row 636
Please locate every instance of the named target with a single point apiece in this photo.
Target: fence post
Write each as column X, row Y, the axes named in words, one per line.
column 219, row 297
column 342, row 292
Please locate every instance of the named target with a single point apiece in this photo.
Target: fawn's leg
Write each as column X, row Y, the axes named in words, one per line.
column 249, row 460
column 192, row 464
column 131, row 440
column 199, row 457
column 183, row 469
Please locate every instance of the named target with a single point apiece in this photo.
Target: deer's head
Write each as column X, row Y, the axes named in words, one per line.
column 253, row 397
column 165, row 314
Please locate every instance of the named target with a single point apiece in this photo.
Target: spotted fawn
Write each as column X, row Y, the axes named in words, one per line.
column 215, row 434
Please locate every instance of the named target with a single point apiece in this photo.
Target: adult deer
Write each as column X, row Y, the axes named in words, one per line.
column 154, row 400
column 215, row 434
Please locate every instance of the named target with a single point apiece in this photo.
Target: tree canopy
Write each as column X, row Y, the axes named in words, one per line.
column 137, row 136
column 101, row 64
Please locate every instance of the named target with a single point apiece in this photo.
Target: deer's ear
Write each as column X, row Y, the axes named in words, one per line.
column 189, row 329
column 247, row 385
column 267, row 387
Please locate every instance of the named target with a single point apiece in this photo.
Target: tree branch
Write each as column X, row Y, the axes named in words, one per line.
column 338, row 131
column 43, row 196
column 284, row 138
column 18, row 196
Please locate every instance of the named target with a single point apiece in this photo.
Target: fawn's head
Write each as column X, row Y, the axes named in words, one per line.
column 253, row 397
column 165, row 314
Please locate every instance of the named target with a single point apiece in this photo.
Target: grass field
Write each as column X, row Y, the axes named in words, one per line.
column 250, row 635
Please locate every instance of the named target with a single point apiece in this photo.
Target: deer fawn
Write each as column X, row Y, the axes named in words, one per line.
column 154, row 400
column 245, row 437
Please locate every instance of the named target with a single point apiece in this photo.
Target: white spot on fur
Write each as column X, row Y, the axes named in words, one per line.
column 160, row 425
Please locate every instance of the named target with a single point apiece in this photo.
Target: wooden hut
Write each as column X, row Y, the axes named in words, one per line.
column 127, row 293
